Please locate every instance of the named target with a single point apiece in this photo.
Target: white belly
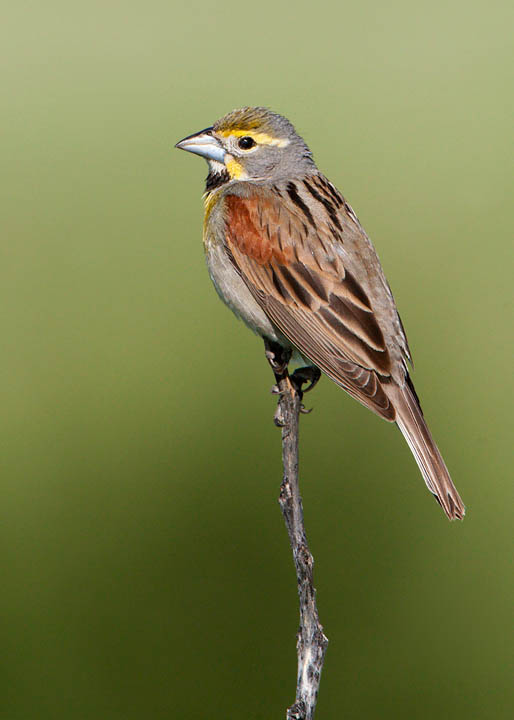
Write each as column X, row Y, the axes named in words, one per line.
column 236, row 295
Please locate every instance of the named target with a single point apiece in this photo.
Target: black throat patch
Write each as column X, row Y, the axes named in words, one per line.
column 216, row 179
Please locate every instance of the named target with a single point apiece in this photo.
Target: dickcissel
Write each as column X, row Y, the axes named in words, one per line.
column 288, row 255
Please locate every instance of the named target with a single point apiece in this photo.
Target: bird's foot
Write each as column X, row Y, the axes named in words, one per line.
column 308, row 374
column 292, row 388
column 278, row 358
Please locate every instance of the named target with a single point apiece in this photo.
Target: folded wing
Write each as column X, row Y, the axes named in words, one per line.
column 291, row 255
column 299, row 279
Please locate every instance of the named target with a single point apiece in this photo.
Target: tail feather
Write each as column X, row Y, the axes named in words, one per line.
column 410, row 420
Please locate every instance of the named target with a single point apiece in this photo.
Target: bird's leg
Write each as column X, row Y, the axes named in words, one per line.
column 309, row 374
column 278, row 358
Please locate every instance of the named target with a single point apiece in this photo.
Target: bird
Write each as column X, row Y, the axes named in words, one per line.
column 288, row 255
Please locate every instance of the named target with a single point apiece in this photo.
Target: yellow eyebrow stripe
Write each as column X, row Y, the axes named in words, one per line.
column 259, row 137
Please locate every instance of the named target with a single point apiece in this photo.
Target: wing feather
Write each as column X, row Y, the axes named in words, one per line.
column 297, row 276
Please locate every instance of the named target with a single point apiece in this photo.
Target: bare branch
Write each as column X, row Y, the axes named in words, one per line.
column 311, row 642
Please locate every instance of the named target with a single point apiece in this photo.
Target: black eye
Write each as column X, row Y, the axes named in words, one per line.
column 246, row 142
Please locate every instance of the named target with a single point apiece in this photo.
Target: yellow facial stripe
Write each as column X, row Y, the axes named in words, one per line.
column 210, row 200
column 234, row 169
column 259, row 137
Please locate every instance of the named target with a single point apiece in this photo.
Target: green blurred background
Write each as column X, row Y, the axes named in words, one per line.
column 145, row 566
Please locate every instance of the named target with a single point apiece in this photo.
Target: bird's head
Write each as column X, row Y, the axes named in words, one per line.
column 253, row 144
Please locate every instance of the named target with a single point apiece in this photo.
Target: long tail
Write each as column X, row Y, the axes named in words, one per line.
column 410, row 420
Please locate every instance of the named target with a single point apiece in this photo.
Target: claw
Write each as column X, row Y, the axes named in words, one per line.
column 277, row 367
column 303, row 375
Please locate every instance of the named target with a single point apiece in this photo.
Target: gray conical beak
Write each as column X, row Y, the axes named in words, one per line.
column 203, row 143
